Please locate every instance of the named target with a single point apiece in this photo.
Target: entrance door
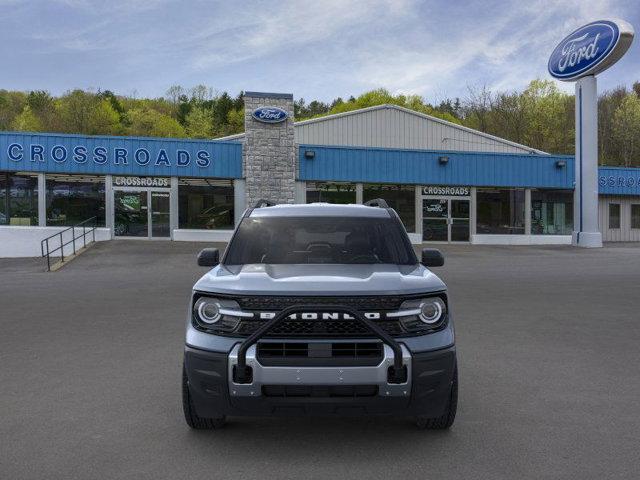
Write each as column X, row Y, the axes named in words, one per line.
column 445, row 220
column 141, row 213
column 435, row 222
column 459, row 220
column 160, row 226
column 131, row 213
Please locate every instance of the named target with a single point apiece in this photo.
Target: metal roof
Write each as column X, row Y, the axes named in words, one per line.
column 392, row 126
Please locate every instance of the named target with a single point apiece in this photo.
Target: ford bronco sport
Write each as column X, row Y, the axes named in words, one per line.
column 319, row 309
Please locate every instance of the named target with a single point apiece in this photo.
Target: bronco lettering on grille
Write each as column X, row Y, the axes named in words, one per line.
column 320, row 316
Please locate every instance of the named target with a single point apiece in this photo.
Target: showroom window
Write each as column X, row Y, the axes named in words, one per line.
column 18, row 199
column 500, row 211
column 331, row 192
column 551, row 212
column 614, row 215
column 402, row 198
column 72, row 199
column 635, row 215
column 205, row 204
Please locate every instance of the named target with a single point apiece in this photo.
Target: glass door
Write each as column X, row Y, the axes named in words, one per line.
column 435, row 220
column 131, row 213
column 459, row 221
column 160, row 226
column 445, row 220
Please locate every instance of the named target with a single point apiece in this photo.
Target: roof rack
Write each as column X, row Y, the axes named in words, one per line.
column 264, row 203
column 377, row 202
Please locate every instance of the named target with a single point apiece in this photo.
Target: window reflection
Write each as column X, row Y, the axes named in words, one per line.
column 500, row 211
column 18, row 199
column 205, row 204
column 72, row 199
column 331, row 192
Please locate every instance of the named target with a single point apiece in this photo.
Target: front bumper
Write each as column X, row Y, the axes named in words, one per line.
column 214, row 393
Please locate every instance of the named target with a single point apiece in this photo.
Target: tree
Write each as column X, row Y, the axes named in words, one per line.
column 235, row 121
column 174, row 93
column 104, row 120
column 75, row 109
column 625, row 129
column 147, row 122
column 43, row 105
column 478, row 107
column 198, row 123
column 609, row 151
column 547, row 128
column 27, row 121
column 11, row 105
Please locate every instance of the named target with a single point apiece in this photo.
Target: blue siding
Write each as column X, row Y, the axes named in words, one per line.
column 618, row 181
column 225, row 157
column 378, row 165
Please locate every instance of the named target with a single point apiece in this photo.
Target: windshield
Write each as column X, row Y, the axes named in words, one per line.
column 318, row 240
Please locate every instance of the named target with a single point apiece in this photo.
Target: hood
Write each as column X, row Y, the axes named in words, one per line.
column 321, row 280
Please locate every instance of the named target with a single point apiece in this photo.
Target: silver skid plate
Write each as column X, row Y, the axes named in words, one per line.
column 362, row 375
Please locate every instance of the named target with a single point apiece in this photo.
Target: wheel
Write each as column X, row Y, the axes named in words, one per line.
column 190, row 415
column 446, row 419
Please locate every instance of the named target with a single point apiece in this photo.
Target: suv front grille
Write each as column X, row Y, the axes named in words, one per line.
column 320, row 328
column 369, row 303
column 319, row 354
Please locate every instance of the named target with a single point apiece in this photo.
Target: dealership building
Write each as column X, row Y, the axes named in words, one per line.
column 447, row 182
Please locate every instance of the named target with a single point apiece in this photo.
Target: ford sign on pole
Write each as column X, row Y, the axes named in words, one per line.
column 270, row 114
column 590, row 49
column 587, row 51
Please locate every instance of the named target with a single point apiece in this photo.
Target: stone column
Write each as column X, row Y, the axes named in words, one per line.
column 269, row 154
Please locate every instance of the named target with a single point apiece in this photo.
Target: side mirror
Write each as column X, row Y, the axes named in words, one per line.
column 208, row 257
column 432, row 257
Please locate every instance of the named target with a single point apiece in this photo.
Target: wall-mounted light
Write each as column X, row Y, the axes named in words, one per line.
column 443, row 160
column 309, row 154
column 561, row 164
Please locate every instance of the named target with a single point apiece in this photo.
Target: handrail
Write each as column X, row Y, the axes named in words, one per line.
column 86, row 230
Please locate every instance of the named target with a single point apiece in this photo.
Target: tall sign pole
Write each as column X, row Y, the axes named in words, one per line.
column 578, row 58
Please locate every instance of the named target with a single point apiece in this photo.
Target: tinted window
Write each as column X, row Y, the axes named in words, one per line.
column 500, row 211
column 402, row 198
column 205, row 204
column 330, row 192
column 314, row 240
column 74, row 199
column 18, row 199
column 551, row 212
column 614, row 215
column 635, row 215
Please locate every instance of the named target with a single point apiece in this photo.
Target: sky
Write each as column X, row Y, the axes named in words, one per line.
column 319, row 49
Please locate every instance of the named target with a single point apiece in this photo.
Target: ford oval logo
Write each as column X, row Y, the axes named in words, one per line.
column 270, row 114
column 581, row 52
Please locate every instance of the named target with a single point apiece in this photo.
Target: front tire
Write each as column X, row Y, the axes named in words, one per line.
column 190, row 415
column 444, row 421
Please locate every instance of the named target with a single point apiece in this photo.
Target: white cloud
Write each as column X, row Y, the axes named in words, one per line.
column 318, row 49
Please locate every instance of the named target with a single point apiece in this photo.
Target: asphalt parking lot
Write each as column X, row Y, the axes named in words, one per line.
column 548, row 342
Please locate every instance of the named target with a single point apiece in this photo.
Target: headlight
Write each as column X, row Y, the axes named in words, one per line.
column 208, row 310
column 432, row 310
column 217, row 315
column 421, row 315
